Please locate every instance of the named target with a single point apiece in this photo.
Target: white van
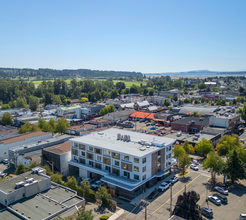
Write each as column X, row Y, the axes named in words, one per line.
column 242, row 216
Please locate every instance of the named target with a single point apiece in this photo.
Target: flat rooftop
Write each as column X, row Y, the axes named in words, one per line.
column 42, row 142
column 188, row 120
column 37, row 207
column 189, row 138
column 78, row 127
column 23, row 137
column 72, row 201
column 60, row 148
column 5, row 130
column 108, row 139
column 59, row 194
column 9, row 184
column 7, row 215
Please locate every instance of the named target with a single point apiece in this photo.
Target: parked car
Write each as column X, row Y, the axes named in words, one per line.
column 2, row 174
column 194, row 167
column 221, row 197
column 158, row 124
column 164, row 186
column 141, row 120
column 148, row 124
column 206, row 212
column 242, row 216
column 195, row 162
column 5, row 161
column 154, row 194
column 174, row 179
column 153, row 128
column 221, row 190
column 97, row 184
column 146, row 121
column 87, row 179
column 214, row 200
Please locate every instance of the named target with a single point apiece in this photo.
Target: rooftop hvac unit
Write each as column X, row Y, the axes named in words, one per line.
column 125, row 137
column 19, row 184
column 118, row 136
column 192, row 122
column 128, row 138
column 30, row 180
column 122, row 137
column 142, row 149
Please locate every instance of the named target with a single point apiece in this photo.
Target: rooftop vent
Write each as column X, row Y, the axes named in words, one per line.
column 142, row 149
column 19, row 184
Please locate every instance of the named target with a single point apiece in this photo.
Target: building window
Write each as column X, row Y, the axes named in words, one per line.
column 76, row 158
column 144, row 160
column 170, row 147
column 116, row 172
column 75, row 152
column 144, row 177
column 136, row 160
column 81, row 147
column 83, row 153
column 81, row 160
column 167, row 157
column 90, row 148
column 108, row 168
column 136, row 177
column 170, row 155
column 116, row 163
column 97, row 151
column 107, row 161
column 91, row 163
column 159, row 152
column 116, row 155
column 167, row 149
column 75, row 144
column 126, row 174
column 125, row 166
column 98, row 166
column 136, row 169
column 126, row 157
column 107, row 152
column 99, row 158
column 89, row 156
column 144, row 169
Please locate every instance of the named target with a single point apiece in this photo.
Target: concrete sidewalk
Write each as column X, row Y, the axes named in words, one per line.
column 150, row 190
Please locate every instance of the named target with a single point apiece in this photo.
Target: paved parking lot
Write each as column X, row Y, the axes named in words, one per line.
column 197, row 181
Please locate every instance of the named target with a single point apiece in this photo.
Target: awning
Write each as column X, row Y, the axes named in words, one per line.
column 192, row 128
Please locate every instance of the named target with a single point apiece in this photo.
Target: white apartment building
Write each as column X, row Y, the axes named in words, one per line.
column 126, row 161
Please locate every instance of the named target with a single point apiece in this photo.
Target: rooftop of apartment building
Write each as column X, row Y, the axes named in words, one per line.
column 23, row 137
column 9, row 184
column 42, row 142
column 109, row 139
column 78, row 127
column 60, row 148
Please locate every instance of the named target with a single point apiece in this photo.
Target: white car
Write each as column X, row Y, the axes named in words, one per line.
column 164, row 186
column 214, row 200
column 97, row 184
column 195, row 162
column 194, row 167
column 174, row 179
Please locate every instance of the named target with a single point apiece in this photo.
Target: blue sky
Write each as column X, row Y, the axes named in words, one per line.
column 142, row 35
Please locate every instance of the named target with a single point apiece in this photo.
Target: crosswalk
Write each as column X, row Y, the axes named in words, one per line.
column 202, row 172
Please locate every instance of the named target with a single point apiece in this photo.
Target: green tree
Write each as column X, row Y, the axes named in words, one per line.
column 72, row 183
column 178, row 151
column 175, row 98
column 6, row 119
column 20, row 169
column 235, row 167
column 103, row 111
column 84, row 215
column 202, row 85
column 242, row 111
column 5, row 106
column 228, row 143
column 83, row 100
column 28, row 127
column 223, row 102
column 52, row 122
column 188, row 147
column 33, row 165
column 57, row 178
column 21, row 103
column 202, row 100
column 33, row 103
column 48, row 170
column 103, row 195
column 215, row 163
column 166, row 102
column 85, row 185
column 204, row 147
column 62, row 125
column 41, row 122
column 186, row 100
column 196, row 101
column 184, row 162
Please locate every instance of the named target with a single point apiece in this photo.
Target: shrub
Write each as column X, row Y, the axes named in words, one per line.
column 104, row 217
column 90, row 195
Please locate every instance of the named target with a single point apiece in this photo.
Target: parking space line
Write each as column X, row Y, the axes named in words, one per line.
column 173, row 196
column 185, row 174
column 241, row 182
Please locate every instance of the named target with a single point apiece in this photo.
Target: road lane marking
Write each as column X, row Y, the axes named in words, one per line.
column 241, row 182
column 173, row 196
column 185, row 174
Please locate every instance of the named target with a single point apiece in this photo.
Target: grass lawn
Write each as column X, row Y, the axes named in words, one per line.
column 127, row 83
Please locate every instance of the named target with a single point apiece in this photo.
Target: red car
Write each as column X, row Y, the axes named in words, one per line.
column 158, row 124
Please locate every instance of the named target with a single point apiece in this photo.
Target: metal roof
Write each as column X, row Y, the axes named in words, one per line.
column 199, row 109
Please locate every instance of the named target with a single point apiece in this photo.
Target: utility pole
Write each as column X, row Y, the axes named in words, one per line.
column 171, row 200
column 145, row 210
column 185, row 188
column 52, row 165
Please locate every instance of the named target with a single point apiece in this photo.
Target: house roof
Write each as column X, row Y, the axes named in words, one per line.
column 143, row 103
column 199, row 109
column 138, row 114
column 152, row 108
column 127, row 105
column 60, row 148
column 151, row 116
column 23, row 137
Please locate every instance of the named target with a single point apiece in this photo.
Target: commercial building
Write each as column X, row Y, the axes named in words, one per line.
column 8, row 131
column 118, row 115
column 141, row 105
column 127, row 162
column 32, row 195
column 18, row 154
column 202, row 110
column 157, row 100
column 99, row 122
column 190, row 124
column 61, row 111
column 127, row 106
column 171, row 93
column 58, row 156
column 21, row 140
column 78, row 129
